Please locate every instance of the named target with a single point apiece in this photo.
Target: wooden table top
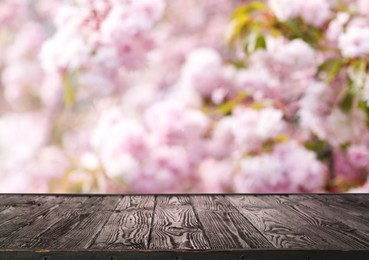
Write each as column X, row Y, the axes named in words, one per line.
column 178, row 227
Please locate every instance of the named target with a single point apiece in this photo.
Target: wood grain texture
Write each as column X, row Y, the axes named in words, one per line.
column 175, row 225
column 129, row 225
column 342, row 213
column 126, row 224
column 347, row 204
column 225, row 227
column 330, row 229
column 82, row 225
column 281, row 230
column 24, row 216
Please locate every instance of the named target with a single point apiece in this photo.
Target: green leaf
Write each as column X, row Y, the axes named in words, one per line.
column 260, row 42
column 347, row 101
column 236, row 28
column 296, row 28
column 332, row 67
column 243, row 20
column 227, row 107
column 238, row 64
column 282, row 138
column 363, row 105
column 249, row 8
column 320, row 147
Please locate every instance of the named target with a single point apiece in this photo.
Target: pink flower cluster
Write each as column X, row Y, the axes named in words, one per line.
column 159, row 154
column 100, row 40
column 288, row 168
column 155, row 101
column 314, row 12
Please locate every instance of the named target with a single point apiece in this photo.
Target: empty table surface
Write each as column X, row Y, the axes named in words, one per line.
column 202, row 226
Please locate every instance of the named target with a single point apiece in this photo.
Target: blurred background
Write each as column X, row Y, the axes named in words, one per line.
column 184, row 96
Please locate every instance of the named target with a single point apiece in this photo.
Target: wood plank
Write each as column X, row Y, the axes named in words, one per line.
column 18, row 216
column 129, row 225
column 359, row 199
column 281, row 230
column 334, row 212
column 16, row 205
column 181, row 223
column 14, row 200
column 175, row 225
column 352, row 205
column 26, row 235
column 335, row 231
column 80, row 226
column 225, row 226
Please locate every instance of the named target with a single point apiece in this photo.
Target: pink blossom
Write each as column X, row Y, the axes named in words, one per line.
column 314, row 12
column 289, row 168
column 283, row 71
column 318, row 114
column 173, row 123
column 363, row 7
column 20, row 80
column 203, row 71
column 11, row 11
column 354, row 42
column 302, row 167
column 121, row 149
column 17, row 182
column 216, row 175
column 43, row 165
column 336, row 26
column 51, row 91
column 16, row 158
column 75, row 52
column 345, row 170
column 222, row 143
column 256, row 81
column 131, row 157
column 154, row 9
column 28, row 41
column 168, row 170
column 29, row 128
column 252, row 127
column 293, row 57
column 359, row 156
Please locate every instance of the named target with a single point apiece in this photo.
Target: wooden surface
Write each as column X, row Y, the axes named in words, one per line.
column 178, row 227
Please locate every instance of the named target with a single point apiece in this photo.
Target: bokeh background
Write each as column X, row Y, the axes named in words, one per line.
column 183, row 96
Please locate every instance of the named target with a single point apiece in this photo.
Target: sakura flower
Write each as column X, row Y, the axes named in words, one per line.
column 314, row 12
column 174, row 124
column 252, row 127
column 354, row 42
column 289, row 167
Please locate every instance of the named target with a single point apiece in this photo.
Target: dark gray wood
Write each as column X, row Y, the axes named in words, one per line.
column 31, row 233
column 343, row 214
column 225, row 227
column 330, row 229
column 346, row 204
column 129, row 225
column 178, row 227
column 283, row 231
column 22, row 218
column 175, row 225
column 81, row 226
